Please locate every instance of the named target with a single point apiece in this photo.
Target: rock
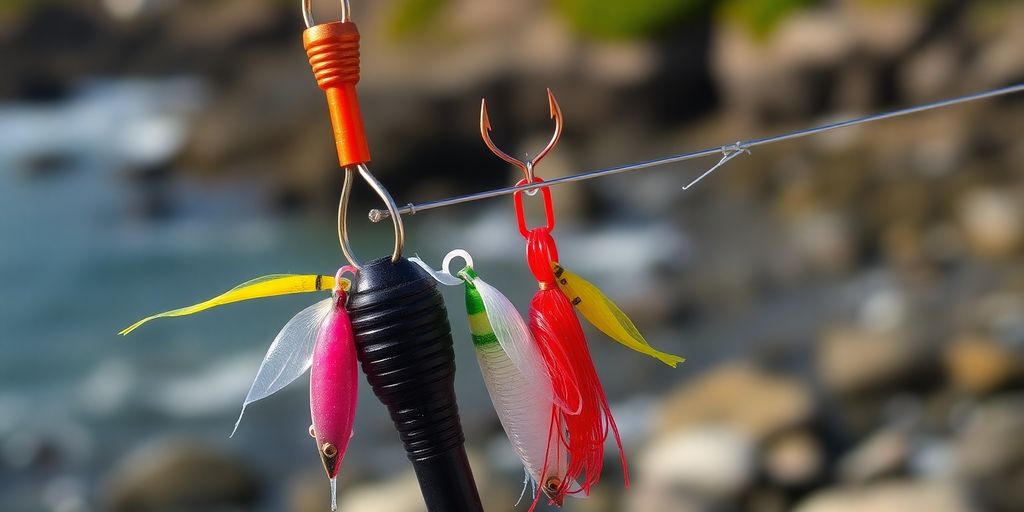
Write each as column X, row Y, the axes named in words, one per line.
column 400, row 494
column 738, row 396
column 990, row 443
column 889, row 497
column 885, row 30
column 803, row 43
column 884, row 454
column 309, row 491
column 794, row 459
column 709, row 463
column 824, row 240
column 981, row 365
column 928, row 73
column 992, row 221
column 643, row 498
column 989, row 453
column 179, row 475
column 856, row 360
column 998, row 60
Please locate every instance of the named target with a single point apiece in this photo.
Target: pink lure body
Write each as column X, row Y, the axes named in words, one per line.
column 333, row 385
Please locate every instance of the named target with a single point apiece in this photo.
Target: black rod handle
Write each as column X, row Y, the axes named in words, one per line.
column 404, row 344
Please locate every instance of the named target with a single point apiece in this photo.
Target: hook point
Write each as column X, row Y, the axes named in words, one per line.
column 485, row 120
column 556, row 111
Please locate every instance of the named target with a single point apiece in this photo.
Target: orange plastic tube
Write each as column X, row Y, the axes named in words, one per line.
column 333, row 50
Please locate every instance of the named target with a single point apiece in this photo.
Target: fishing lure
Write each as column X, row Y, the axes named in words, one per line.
column 319, row 339
column 559, row 335
column 402, row 337
column 515, row 377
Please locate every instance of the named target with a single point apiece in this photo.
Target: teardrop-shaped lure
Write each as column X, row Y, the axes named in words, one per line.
column 522, row 401
column 333, row 389
column 600, row 311
column 515, row 375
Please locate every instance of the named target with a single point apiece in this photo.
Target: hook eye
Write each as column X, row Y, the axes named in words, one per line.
column 549, row 210
column 307, row 12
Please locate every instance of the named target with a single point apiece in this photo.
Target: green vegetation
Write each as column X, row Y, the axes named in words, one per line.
column 410, row 17
column 761, row 16
column 615, row 19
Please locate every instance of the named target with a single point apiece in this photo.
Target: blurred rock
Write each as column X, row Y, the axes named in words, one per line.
column 990, row 442
column 824, row 240
column 856, row 360
column 766, row 499
column 794, row 459
column 890, row 497
column 179, row 475
column 795, row 60
column 884, row 29
column 990, row 452
column 998, row 61
column 309, row 491
column 741, row 397
column 400, row 494
column 927, row 74
column 711, row 463
column 883, row 454
column 981, row 365
column 993, row 221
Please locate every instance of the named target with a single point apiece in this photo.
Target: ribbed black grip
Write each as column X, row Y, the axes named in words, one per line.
column 404, row 344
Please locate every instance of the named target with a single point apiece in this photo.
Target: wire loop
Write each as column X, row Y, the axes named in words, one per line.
column 307, row 12
column 389, row 202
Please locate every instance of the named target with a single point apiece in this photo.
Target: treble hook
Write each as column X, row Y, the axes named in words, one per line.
column 526, row 166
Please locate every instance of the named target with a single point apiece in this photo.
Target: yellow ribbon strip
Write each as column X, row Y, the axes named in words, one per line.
column 266, row 286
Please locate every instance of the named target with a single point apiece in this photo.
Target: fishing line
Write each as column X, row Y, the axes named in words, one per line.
column 727, row 152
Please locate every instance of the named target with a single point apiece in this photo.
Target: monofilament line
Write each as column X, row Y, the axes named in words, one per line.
column 727, row 152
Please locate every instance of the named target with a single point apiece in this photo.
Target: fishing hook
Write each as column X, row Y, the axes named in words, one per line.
column 307, row 12
column 333, row 51
column 343, row 202
column 526, row 166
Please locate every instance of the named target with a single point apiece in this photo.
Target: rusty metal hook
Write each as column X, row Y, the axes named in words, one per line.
column 527, row 166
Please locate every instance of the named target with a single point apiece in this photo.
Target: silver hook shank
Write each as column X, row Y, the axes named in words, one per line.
column 346, row 192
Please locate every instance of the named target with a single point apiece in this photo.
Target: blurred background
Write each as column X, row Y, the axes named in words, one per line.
column 851, row 305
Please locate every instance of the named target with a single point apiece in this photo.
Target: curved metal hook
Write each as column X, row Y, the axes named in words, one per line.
column 346, row 192
column 527, row 166
column 307, row 12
